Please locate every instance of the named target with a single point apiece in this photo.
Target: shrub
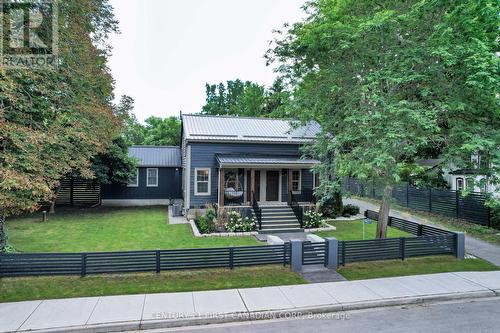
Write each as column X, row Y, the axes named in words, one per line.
column 331, row 206
column 205, row 224
column 350, row 210
column 238, row 224
column 210, row 214
column 312, row 219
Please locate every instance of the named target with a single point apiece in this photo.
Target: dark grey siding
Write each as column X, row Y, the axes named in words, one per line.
column 203, row 156
column 169, row 187
column 306, row 183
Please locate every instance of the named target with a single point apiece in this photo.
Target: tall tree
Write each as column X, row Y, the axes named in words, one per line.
column 162, row 132
column 388, row 79
column 238, row 98
column 53, row 121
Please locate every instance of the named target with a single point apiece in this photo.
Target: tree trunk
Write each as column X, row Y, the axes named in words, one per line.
column 53, row 203
column 3, row 235
column 383, row 214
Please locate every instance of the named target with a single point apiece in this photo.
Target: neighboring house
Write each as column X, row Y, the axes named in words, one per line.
column 234, row 161
column 471, row 179
column 158, row 179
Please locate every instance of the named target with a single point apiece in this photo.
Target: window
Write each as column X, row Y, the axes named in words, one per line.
column 202, row 182
column 459, row 184
column 296, row 180
column 317, row 180
column 152, row 175
column 134, row 182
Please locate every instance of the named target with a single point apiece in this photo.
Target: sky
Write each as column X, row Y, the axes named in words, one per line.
column 168, row 49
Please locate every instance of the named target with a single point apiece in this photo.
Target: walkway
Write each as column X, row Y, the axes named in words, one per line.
column 474, row 246
column 133, row 312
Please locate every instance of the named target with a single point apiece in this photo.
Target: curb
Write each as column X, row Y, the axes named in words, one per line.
column 265, row 315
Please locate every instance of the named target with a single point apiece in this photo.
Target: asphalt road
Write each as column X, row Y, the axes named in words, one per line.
column 482, row 315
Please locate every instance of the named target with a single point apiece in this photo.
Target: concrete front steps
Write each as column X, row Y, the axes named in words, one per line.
column 279, row 219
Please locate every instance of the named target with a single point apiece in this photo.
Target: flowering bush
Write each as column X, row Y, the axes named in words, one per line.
column 238, row 224
column 312, row 219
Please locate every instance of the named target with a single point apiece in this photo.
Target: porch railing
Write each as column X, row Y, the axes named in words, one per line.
column 297, row 209
column 257, row 210
column 305, row 195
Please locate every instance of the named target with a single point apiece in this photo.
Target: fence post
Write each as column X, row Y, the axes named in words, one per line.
column 407, row 195
column 389, row 221
column 332, row 245
column 460, row 245
column 420, row 230
column 402, row 247
column 457, row 203
column 158, row 261
column 83, row 265
column 231, row 258
column 430, row 200
column 296, row 255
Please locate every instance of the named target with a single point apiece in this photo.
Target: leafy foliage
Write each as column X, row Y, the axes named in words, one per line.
column 237, row 223
column 389, row 80
column 350, row 210
column 156, row 131
column 238, row 98
column 54, row 121
column 312, row 219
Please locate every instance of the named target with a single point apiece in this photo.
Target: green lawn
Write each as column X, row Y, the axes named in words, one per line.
column 413, row 266
column 32, row 288
column 353, row 230
column 108, row 229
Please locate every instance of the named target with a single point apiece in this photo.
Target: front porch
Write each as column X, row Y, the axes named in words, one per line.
column 266, row 187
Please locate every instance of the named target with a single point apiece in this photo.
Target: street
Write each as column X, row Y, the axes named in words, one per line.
column 481, row 315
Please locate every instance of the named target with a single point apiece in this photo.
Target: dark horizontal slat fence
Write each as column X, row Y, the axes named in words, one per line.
column 428, row 241
column 141, row 261
column 313, row 253
column 439, row 201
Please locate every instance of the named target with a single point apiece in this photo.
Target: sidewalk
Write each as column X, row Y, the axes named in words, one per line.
column 474, row 246
column 134, row 312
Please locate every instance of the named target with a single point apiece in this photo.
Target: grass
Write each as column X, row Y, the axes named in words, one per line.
column 109, row 229
column 353, row 230
column 490, row 235
column 32, row 288
column 413, row 266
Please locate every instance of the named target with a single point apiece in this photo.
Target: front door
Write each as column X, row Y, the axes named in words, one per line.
column 272, row 185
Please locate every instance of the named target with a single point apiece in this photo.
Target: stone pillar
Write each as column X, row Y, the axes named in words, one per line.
column 460, row 245
column 333, row 253
column 296, row 255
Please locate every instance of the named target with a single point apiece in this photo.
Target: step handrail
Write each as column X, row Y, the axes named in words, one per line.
column 297, row 209
column 257, row 210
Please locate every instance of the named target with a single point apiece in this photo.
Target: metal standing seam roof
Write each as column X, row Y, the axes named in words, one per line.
column 243, row 129
column 235, row 160
column 156, row 156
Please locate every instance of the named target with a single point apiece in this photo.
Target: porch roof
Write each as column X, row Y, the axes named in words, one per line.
column 269, row 161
